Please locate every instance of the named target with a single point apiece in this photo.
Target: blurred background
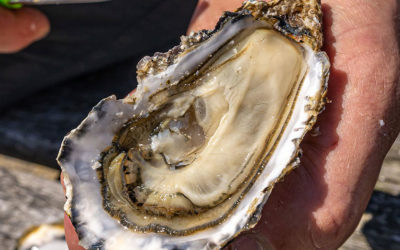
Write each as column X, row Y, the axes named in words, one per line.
column 48, row 88
column 31, row 129
column 30, row 193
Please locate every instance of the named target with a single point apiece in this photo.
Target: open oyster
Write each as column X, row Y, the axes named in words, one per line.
column 188, row 161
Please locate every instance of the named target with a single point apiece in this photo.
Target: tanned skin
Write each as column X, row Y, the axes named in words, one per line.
column 20, row 28
column 319, row 204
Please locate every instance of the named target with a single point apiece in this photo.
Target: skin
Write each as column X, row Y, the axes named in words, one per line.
column 20, row 28
column 320, row 203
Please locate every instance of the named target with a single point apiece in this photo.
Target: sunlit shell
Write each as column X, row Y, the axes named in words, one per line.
column 188, row 161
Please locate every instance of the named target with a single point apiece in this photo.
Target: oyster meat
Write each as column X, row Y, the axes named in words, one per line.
column 189, row 159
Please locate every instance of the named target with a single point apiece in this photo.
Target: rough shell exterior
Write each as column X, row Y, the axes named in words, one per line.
column 300, row 20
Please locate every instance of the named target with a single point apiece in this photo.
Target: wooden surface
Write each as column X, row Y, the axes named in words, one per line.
column 30, row 194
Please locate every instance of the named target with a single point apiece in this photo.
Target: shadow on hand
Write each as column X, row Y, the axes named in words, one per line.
column 290, row 209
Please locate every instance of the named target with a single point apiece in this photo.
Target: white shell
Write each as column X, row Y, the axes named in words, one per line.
column 82, row 148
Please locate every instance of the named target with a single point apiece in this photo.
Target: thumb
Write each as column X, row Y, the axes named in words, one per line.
column 20, row 28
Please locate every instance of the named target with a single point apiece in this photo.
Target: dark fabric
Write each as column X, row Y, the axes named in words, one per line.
column 85, row 38
column 91, row 53
column 33, row 128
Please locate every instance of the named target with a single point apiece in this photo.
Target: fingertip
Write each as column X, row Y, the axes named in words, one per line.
column 208, row 12
column 32, row 23
column 70, row 235
column 20, row 28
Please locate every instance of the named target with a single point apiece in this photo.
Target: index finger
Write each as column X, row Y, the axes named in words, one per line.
column 19, row 28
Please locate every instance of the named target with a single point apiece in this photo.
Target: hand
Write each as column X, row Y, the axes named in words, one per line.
column 320, row 203
column 20, row 28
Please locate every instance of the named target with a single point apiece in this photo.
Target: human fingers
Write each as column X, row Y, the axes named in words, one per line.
column 365, row 102
column 20, row 28
column 71, row 236
column 208, row 11
column 321, row 202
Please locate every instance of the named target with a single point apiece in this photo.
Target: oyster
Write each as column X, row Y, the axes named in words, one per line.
column 188, row 161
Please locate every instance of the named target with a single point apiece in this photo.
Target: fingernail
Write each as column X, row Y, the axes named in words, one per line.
column 38, row 25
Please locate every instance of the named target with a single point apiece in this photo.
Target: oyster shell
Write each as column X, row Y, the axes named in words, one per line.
column 188, row 161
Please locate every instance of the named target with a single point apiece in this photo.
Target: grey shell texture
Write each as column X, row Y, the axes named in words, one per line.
column 113, row 160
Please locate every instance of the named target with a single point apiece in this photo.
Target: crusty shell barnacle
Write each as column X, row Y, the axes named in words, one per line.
column 189, row 160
